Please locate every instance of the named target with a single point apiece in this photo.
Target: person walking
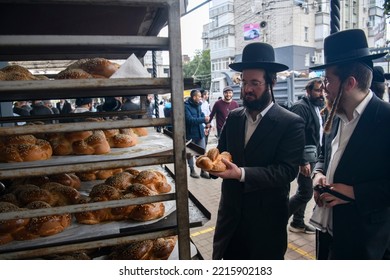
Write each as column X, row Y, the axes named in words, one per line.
column 352, row 177
column 205, row 107
column 266, row 144
column 222, row 108
column 195, row 119
column 308, row 108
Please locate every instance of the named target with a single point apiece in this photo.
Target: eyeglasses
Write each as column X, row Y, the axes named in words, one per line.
column 252, row 84
column 318, row 89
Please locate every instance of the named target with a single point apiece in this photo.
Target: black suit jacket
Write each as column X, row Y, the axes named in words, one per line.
column 306, row 110
column 361, row 230
column 256, row 212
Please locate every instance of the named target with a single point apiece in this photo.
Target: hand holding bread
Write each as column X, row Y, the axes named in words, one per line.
column 212, row 160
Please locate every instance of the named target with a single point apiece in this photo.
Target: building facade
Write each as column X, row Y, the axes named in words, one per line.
column 295, row 28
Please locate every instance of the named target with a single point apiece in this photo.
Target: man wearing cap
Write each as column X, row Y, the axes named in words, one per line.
column 222, row 108
column 353, row 202
column 266, row 143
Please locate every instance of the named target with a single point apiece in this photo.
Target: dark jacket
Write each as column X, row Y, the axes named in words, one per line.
column 66, row 109
column 305, row 109
column 361, row 230
column 194, row 120
column 255, row 212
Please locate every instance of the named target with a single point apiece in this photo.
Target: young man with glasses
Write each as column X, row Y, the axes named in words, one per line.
column 308, row 108
column 352, row 175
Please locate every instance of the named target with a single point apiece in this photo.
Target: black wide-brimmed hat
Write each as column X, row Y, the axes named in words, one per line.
column 258, row 56
column 378, row 75
column 346, row 46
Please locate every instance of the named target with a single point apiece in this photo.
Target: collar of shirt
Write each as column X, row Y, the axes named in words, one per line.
column 251, row 125
column 260, row 115
column 359, row 109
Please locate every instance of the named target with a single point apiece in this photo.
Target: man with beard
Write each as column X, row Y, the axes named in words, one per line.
column 352, row 175
column 308, row 107
column 195, row 119
column 222, row 108
column 266, row 143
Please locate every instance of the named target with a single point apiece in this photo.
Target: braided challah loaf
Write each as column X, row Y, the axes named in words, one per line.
column 154, row 180
column 157, row 249
column 24, row 148
column 212, row 161
column 30, row 228
column 104, row 192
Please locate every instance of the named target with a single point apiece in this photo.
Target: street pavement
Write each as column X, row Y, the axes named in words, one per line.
column 301, row 246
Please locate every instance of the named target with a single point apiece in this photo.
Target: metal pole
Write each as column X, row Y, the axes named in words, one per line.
column 334, row 16
column 156, row 101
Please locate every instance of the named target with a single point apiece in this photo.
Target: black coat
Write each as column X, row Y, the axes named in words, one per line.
column 305, row 109
column 361, row 230
column 255, row 213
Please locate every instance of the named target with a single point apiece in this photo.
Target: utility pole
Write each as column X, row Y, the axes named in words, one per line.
column 334, row 16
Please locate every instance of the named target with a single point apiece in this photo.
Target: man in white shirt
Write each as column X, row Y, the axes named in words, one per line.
column 353, row 202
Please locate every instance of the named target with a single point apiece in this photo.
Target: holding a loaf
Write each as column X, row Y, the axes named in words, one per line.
column 266, row 143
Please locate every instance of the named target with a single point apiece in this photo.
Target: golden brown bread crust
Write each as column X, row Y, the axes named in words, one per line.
column 154, row 180
column 9, row 227
column 16, row 73
column 140, row 131
column 62, row 195
column 100, row 67
column 212, row 161
column 30, row 228
column 96, row 144
column 24, row 148
column 73, row 74
column 70, row 180
column 157, row 249
column 45, row 225
column 104, row 192
column 121, row 181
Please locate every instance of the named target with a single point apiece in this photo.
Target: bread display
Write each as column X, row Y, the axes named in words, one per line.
column 212, row 160
column 52, row 193
column 79, row 143
column 154, row 180
column 22, row 148
column 104, row 192
column 116, row 139
column 16, row 73
column 30, row 228
column 98, row 67
column 156, row 249
column 96, row 144
column 66, row 179
column 73, row 74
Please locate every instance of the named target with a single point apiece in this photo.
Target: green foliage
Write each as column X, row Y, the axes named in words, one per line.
column 199, row 68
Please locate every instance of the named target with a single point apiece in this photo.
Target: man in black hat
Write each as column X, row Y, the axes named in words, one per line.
column 353, row 200
column 378, row 81
column 266, row 143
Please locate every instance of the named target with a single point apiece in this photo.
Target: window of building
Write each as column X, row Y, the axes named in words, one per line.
column 306, row 34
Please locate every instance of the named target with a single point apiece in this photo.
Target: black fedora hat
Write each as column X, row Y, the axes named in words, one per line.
column 258, row 56
column 378, row 75
column 346, row 46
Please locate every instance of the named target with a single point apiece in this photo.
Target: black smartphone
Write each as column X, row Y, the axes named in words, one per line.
column 326, row 189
